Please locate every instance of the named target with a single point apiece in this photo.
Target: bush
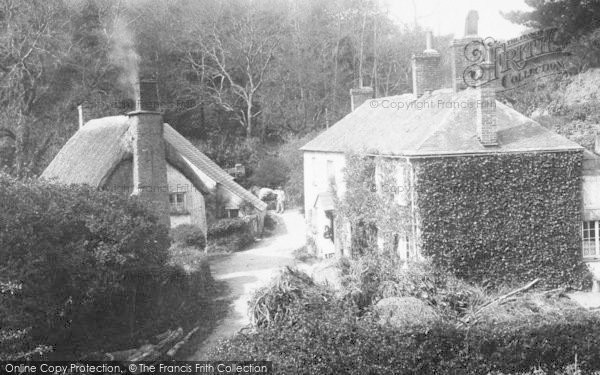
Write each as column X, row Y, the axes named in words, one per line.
column 189, row 235
column 278, row 302
column 271, row 172
column 229, row 235
column 371, row 278
column 305, row 329
column 91, row 268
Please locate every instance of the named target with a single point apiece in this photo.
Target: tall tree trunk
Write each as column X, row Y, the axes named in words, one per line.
column 249, row 118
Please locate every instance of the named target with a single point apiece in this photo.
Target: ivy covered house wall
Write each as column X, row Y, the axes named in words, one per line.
column 503, row 218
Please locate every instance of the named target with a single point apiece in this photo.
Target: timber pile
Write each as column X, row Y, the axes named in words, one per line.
column 164, row 346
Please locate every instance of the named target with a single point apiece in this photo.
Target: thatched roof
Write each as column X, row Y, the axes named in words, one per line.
column 435, row 124
column 91, row 155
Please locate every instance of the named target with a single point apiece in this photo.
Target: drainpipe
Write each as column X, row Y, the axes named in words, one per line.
column 413, row 210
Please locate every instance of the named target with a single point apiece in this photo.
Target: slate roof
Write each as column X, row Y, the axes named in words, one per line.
column 437, row 124
column 209, row 167
column 96, row 149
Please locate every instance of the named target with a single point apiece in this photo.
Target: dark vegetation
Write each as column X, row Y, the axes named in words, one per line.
column 85, row 271
column 229, row 235
column 189, row 235
column 308, row 328
column 238, row 100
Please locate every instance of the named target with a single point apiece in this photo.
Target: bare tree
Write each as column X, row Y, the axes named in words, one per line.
column 236, row 53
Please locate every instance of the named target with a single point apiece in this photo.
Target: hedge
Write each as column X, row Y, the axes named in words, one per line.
column 228, row 235
column 503, row 219
column 189, row 235
column 90, row 266
column 326, row 338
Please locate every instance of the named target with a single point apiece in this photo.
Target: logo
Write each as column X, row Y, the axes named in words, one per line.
column 516, row 62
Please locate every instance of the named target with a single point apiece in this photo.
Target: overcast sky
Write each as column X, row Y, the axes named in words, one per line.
column 448, row 16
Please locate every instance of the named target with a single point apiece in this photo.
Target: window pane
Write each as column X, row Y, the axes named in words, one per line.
column 589, row 248
column 589, row 238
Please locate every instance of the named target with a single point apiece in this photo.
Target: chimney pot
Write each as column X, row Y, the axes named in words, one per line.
column 486, row 110
column 429, row 41
column 148, row 100
column 458, row 49
column 426, row 71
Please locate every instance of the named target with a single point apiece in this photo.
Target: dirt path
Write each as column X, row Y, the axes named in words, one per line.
column 248, row 270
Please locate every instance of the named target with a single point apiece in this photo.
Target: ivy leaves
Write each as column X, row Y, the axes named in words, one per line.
column 503, row 218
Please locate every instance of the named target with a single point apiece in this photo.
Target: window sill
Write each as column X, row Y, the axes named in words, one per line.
column 591, row 259
column 179, row 213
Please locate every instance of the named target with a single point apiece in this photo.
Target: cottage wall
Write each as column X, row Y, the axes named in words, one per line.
column 321, row 169
column 121, row 181
column 394, row 181
column 194, row 209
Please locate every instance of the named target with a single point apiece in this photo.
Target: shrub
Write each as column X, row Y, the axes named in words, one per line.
column 271, row 172
column 189, row 235
column 228, row 235
column 91, row 265
column 302, row 254
column 278, row 302
column 371, row 278
column 310, row 331
column 271, row 222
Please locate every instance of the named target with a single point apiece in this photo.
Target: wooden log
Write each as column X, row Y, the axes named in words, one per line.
column 178, row 346
column 149, row 352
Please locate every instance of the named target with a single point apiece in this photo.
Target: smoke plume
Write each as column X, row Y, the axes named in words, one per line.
column 124, row 56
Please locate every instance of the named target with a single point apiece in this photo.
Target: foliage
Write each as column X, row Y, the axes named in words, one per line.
column 577, row 22
column 370, row 202
column 272, row 222
column 503, row 218
column 565, row 105
column 229, row 235
column 309, row 330
column 376, row 276
column 279, row 302
column 290, row 153
column 302, row 254
column 271, row 172
column 189, row 235
column 91, row 268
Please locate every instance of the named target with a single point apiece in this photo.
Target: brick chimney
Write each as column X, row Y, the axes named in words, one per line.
column 359, row 96
column 461, row 55
column 149, row 163
column 486, row 105
column 426, row 71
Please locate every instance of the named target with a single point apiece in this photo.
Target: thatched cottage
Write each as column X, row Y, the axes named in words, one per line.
column 470, row 173
column 139, row 154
